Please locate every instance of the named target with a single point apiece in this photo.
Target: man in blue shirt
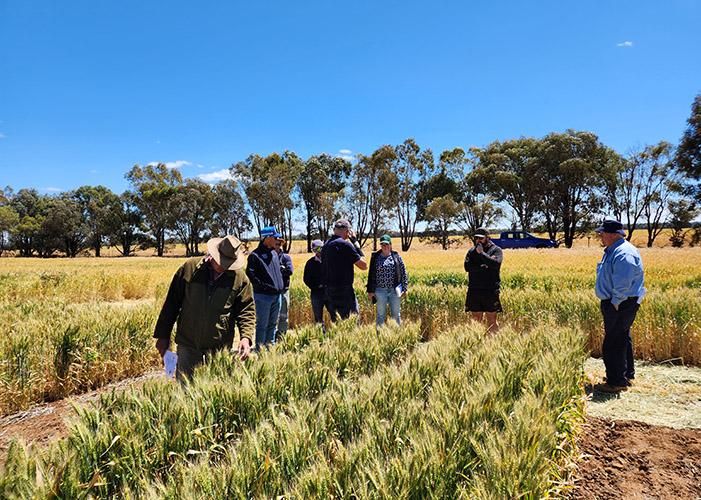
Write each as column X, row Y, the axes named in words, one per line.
column 619, row 286
column 338, row 257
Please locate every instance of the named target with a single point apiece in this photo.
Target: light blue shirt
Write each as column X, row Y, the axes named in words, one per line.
column 620, row 274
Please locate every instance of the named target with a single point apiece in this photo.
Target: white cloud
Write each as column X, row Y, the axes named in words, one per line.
column 2, row 136
column 172, row 164
column 200, row 166
column 52, row 189
column 347, row 154
column 217, row 176
column 93, row 171
column 158, row 142
column 624, row 44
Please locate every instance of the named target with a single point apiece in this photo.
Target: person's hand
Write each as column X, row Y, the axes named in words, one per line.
column 371, row 295
column 478, row 247
column 162, row 346
column 403, row 294
column 615, row 306
column 244, row 348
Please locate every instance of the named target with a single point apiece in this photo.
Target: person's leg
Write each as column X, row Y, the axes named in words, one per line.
column 282, row 322
column 492, row 322
column 318, row 307
column 333, row 303
column 629, row 310
column 478, row 316
column 395, row 303
column 263, row 305
column 188, row 360
column 274, row 314
column 614, row 348
column 381, row 294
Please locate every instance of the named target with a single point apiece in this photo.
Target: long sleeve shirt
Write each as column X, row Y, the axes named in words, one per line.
column 620, row 273
column 483, row 268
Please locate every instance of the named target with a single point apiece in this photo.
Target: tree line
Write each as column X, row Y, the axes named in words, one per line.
column 560, row 184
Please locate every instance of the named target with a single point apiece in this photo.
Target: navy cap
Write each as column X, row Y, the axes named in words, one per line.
column 610, row 226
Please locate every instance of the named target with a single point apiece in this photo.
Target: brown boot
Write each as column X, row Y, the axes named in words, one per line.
column 610, row 389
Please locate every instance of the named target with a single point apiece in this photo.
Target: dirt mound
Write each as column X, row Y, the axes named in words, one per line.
column 628, row 459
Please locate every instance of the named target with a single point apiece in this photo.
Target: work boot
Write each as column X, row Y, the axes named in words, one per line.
column 610, row 389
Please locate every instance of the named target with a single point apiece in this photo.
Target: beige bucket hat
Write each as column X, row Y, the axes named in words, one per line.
column 227, row 252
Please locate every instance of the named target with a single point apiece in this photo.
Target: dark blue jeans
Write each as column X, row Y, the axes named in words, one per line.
column 319, row 301
column 617, row 351
column 342, row 302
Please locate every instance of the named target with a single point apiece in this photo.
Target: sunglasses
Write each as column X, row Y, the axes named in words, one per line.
column 316, row 250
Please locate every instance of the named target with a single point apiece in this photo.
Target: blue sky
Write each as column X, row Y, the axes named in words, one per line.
column 90, row 88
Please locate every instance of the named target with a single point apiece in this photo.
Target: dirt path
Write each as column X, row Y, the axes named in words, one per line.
column 620, row 459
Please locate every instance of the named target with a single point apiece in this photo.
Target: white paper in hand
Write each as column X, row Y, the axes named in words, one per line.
column 170, row 361
column 398, row 290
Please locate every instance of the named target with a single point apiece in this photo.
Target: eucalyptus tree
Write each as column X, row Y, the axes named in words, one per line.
column 451, row 166
column 441, row 215
column 64, row 227
column 688, row 154
column 321, row 180
column 31, row 209
column 193, row 213
column 155, row 188
column 230, row 211
column 509, row 171
column 8, row 217
column 97, row 204
column 412, row 167
column 373, row 193
column 269, row 183
column 572, row 170
column 126, row 225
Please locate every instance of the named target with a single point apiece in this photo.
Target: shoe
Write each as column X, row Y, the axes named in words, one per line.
column 610, row 389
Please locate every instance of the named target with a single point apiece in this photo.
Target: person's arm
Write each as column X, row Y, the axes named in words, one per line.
column 286, row 265
column 169, row 312
column 252, row 269
column 472, row 262
column 361, row 263
column 624, row 271
column 372, row 276
column 402, row 272
column 244, row 314
column 307, row 277
column 492, row 261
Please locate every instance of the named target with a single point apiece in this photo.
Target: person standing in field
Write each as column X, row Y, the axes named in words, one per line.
column 619, row 286
column 483, row 265
column 338, row 256
column 387, row 281
column 209, row 296
column 265, row 273
column 286, row 269
column 312, row 278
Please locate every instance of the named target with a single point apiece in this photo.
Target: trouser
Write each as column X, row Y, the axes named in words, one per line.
column 385, row 296
column 319, row 301
column 267, row 312
column 617, row 350
column 342, row 302
column 282, row 322
column 189, row 359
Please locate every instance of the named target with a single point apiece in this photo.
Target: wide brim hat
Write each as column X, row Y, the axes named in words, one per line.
column 227, row 252
column 611, row 226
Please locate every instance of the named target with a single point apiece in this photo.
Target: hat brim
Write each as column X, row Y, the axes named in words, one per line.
column 225, row 262
column 601, row 229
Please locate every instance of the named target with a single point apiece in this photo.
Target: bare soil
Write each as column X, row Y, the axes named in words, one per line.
column 619, row 459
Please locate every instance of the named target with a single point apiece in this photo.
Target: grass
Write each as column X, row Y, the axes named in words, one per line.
column 352, row 415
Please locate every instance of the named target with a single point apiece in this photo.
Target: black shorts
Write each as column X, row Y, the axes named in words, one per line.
column 482, row 301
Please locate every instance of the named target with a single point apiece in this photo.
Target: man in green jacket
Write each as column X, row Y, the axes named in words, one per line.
column 208, row 297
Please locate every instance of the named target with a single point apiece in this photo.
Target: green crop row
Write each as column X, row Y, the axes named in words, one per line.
column 354, row 414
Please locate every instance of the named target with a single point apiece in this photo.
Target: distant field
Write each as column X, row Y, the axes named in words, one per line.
column 72, row 324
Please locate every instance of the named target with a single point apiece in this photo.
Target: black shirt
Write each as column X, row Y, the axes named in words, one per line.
column 337, row 259
column 484, row 268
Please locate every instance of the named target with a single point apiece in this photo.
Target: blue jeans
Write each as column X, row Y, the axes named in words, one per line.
column 383, row 296
column 267, row 312
column 617, row 350
column 282, row 323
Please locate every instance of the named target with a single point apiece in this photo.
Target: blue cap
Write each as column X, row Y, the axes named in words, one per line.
column 269, row 231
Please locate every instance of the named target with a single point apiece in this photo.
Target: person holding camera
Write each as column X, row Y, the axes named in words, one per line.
column 387, row 281
column 483, row 263
column 339, row 255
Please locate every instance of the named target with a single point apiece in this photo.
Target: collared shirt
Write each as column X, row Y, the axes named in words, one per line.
column 620, row 274
column 337, row 259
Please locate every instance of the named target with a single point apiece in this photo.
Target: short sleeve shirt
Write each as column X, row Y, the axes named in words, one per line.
column 337, row 259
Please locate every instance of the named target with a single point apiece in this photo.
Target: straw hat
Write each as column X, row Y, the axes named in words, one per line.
column 227, row 252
